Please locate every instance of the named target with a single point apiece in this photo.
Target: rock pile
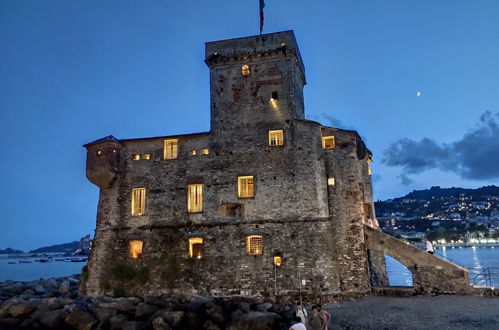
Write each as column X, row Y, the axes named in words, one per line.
column 54, row 303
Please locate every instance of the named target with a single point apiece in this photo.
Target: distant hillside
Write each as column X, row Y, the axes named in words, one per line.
column 10, row 251
column 66, row 247
column 438, row 192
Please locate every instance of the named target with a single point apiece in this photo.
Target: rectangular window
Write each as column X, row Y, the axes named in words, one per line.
column 330, row 181
column 369, row 170
column 254, row 244
column 136, row 157
column 196, row 247
column 328, row 142
column 138, row 201
column 245, row 187
column 195, row 198
column 170, row 149
column 205, row 151
column 146, row 156
column 278, row 261
column 193, row 152
column 136, row 249
column 276, row 138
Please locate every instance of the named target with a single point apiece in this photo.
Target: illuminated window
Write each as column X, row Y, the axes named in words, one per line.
column 245, row 187
column 205, row 151
column 170, row 149
column 276, row 138
column 193, row 152
column 136, row 157
column 99, row 152
column 196, row 247
column 278, row 261
column 331, row 182
column 245, row 70
column 369, row 170
column 136, row 248
column 195, row 198
column 254, row 244
column 138, row 201
column 146, row 156
column 328, row 142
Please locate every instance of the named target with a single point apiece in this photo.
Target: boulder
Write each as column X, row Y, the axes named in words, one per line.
column 104, row 314
column 209, row 325
column 64, row 287
column 51, row 283
column 172, row 317
column 245, row 307
column 120, row 304
column 29, row 323
column 134, row 325
column 79, row 319
column 193, row 320
column 215, row 312
column 160, row 324
column 52, row 319
column 264, row 307
column 39, row 289
column 21, row 309
column 254, row 321
column 56, row 302
column 73, row 281
column 144, row 310
column 118, row 321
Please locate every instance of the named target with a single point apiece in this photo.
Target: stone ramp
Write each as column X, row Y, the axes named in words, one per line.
column 430, row 274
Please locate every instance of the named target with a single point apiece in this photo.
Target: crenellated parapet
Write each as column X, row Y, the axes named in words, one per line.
column 103, row 161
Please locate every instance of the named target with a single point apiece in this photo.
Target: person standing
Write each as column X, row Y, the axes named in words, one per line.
column 326, row 317
column 301, row 312
column 429, row 247
column 315, row 321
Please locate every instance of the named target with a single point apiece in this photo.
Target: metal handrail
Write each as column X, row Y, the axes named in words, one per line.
column 486, row 276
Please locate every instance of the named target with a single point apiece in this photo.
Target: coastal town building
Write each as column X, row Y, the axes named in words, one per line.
column 265, row 203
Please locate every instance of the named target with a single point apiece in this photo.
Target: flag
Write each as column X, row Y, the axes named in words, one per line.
column 262, row 5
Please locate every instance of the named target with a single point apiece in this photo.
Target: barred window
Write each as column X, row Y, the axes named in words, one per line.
column 135, row 248
column 170, row 149
column 195, row 198
column 254, row 244
column 138, row 201
column 245, row 186
column 196, row 247
column 328, row 142
column 276, row 138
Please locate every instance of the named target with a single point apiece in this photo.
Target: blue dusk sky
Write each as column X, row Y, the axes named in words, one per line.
column 418, row 79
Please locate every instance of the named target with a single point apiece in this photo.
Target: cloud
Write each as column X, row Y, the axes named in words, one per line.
column 475, row 156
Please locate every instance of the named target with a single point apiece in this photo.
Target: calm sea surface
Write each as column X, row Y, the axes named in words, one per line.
column 475, row 259
column 35, row 270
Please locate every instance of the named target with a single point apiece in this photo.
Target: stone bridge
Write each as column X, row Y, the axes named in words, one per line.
column 430, row 274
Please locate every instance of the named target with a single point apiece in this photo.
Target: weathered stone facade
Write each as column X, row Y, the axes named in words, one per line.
column 314, row 224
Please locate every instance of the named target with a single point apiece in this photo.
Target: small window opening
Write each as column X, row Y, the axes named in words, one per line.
column 328, row 142
column 146, row 156
column 231, row 210
column 195, row 198
column 254, row 244
column 275, row 96
column 278, row 261
column 138, row 201
column 99, row 152
column 331, row 182
column 369, row 170
column 170, row 149
column 135, row 248
column 196, row 247
column 245, row 187
column 114, row 150
column 136, row 157
column 193, row 152
column 276, row 138
column 245, row 70
column 205, row 151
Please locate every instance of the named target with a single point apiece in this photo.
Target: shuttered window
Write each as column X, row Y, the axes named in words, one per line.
column 195, row 198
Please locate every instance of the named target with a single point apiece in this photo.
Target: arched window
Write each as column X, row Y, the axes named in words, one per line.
column 245, row 70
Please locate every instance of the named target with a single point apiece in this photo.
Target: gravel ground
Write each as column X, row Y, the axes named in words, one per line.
column 420, row 312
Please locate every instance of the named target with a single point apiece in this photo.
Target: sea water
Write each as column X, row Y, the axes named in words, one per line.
column 476, row 259
column 35, row 270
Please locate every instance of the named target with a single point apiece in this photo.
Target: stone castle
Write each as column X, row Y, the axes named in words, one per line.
column 265, row 203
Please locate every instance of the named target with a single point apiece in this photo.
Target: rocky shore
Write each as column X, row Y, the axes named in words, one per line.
column 54, row 304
